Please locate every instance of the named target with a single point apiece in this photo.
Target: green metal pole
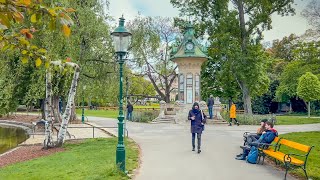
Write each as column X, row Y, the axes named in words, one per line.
column 121, row 153
column 82, row 117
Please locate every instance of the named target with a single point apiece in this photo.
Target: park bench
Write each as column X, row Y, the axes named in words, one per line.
column 290, row 160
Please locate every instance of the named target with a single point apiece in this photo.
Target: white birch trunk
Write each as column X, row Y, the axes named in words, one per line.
column 48, row 142
column 67, row 113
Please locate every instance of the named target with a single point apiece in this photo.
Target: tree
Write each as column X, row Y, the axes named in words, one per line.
column 311, row 12
column 150, row 48
column 17, row 32
column 309, row 88
column 242, row 27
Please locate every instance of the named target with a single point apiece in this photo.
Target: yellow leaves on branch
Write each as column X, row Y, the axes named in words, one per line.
column 33, row 18
column 25, row 2
column 38, row 62
column 66, row 30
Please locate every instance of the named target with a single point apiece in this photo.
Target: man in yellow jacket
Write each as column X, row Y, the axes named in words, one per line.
column 233, row 114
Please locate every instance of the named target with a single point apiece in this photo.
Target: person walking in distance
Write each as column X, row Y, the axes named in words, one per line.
column 210, row 103
column 129, row 111
column 198, row 119
column 233, row 115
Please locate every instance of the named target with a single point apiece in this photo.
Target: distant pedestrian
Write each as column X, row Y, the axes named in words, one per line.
column 210, row 103
column 233, row 115
column 129, row 111
column 198, row 119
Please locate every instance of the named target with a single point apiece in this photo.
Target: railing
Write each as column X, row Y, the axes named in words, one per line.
column 93, row 129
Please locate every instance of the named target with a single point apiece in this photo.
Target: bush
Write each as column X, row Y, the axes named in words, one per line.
column 145, row 115
column 246, row 119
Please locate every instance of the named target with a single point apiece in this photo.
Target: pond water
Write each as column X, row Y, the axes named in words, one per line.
column 11, row 137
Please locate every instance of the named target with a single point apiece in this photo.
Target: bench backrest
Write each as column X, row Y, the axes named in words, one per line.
column 276, row 139
column 295, row 145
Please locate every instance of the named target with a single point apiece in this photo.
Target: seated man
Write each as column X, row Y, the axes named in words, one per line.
column 251, row 137
column 266, row 138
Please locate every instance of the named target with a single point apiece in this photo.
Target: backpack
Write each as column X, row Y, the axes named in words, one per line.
column 253, row 155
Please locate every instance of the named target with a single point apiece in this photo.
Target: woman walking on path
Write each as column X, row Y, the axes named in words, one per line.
column 233, row 114
column 198, row 119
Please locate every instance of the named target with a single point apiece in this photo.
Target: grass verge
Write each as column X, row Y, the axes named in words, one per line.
column 287, row 120
column 310, row 139
column 99, row 113
column 92, row 159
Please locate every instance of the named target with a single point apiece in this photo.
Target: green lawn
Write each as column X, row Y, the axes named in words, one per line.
column 286, row 120
column 307, row 138
column 93, row 159
column 99, row 113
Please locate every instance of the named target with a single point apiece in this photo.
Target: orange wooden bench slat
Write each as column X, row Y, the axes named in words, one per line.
column 295, row 145
column 280, row 156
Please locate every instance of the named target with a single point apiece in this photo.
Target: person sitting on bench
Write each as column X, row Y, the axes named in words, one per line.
column 251, row 137
column 266, row 138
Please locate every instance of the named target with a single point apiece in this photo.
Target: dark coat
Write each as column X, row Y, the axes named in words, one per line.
column 130, row 108
column 197, row 125
column 210, row 102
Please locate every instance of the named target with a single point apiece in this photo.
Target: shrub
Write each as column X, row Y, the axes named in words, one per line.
column 145, row 115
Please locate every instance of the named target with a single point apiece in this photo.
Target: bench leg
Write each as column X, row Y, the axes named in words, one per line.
column 285, row 176
column 305, row 173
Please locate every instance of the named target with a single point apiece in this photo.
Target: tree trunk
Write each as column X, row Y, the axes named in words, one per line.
column 246, row 98
column 55, row 109
column 309, row 109
column 48, row 142
column 70, row 104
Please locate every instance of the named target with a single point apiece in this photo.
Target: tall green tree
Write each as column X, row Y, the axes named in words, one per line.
column 309, row 88
column 239, row 30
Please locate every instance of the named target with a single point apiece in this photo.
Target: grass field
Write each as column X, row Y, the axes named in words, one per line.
column 99, row 113
column 93, row 159
column 286, row 120
column 310, row 139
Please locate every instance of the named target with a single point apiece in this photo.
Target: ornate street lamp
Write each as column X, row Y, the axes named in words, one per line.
column 82, row 116
column 121, row 39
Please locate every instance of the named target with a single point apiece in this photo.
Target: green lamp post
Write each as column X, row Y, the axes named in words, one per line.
column 82, row 116
column 121, row 39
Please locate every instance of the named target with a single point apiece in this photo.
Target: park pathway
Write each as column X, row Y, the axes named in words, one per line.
column 167, row 155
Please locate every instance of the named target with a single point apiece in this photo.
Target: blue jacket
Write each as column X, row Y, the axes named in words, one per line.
column 196, row 125
column 268, row 137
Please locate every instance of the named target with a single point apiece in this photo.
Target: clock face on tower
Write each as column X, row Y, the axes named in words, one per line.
column 189, row 46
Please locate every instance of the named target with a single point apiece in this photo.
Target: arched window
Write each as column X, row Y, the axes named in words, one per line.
column 197, row 87
column 189, row 88
column 181, row 87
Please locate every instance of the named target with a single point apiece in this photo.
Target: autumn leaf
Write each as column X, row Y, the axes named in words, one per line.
column 29, row 35
column 24, row 52
column 46, row 64
column 24, row 31
column 66, row 30
column 68, row 59
column 26, row 2
column 70, row 10
column 24, row 60
column 38, row 62
column 34, row 18
column 18, row 16
column 42, row 50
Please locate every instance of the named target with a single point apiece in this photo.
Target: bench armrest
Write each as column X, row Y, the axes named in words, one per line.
column 245, row 134
column 266, row 146
column 287, row 158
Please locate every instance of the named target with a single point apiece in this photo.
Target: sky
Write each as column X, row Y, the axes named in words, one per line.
column 281, row 26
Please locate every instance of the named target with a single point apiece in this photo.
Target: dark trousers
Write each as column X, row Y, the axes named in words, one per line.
column 129, row 116
column 210, row 111
column 234, row 120
column 199, row 140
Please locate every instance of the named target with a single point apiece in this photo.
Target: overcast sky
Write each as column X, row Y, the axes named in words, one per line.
column 282, row 26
